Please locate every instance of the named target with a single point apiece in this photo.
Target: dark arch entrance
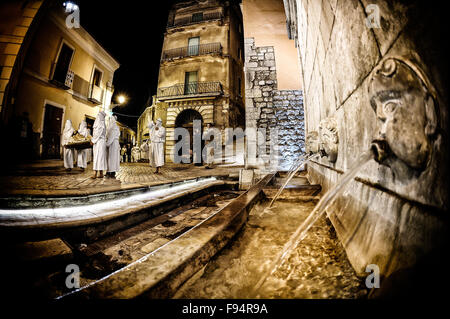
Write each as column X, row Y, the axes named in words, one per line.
column 186, row 119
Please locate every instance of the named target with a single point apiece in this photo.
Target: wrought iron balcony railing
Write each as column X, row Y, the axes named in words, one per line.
column 195, row 19
column 190, row 89
column 192, row 50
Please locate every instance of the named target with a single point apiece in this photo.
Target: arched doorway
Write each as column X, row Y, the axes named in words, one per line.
column 186, row 120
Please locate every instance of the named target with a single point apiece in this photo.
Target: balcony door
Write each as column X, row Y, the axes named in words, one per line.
column 63, row 63
column 51, row 135
column 96, row 92
column 193, row 46
column 190, row 83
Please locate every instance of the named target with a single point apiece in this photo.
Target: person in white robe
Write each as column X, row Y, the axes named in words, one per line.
column 113, row 145
column 99, row 145
column 151, row 125
column 123, row 154
column 83, row 153
column 158, row 138
column 144, row 150
column 135, row 154
column 68, row 152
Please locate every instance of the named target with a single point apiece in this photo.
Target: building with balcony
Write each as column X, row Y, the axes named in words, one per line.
column 201, row 70
column 127, row 134
column 66, row 74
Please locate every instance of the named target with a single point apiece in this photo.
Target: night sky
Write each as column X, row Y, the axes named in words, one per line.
column 132, row 32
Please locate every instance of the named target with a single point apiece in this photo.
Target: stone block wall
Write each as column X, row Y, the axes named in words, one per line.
column 289, row 120
column 272, row 109
column 384, row 218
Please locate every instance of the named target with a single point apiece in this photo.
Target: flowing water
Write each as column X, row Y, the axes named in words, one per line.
column 299, row 163
column 302, row 230
column 317, row 268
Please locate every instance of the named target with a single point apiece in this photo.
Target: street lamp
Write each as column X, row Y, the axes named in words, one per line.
column 120, row 99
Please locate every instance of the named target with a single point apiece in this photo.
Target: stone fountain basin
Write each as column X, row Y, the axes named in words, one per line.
column 160, row 273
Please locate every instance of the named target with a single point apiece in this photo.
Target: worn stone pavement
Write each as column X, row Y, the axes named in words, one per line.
column 49, row 178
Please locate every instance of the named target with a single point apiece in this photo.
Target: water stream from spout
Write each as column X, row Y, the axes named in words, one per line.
column 318, row 210
column 299, row 163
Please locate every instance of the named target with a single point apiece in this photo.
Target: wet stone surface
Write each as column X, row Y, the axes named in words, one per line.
column 49, row 178
column 317, row 268
column 107, row 255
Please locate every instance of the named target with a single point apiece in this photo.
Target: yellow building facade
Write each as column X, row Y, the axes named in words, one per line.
column 66, row 75
column 201, row 71
column 16, row 20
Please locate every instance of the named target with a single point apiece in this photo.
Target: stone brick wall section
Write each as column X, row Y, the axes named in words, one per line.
column 380, row 220
column 288, row 108
column 269, row 108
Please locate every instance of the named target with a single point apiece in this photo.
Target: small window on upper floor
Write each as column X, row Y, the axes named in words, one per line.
column 63, row 63
column 97, row 77
column 197, row 17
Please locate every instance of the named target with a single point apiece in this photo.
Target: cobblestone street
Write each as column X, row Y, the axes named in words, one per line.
column 50, row 178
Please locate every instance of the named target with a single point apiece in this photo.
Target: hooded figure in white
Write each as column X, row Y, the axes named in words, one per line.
column 68, row 152
column 99, row 143
column 83, row 154
column 112, row 143
column 158, row 137
column 148, row 148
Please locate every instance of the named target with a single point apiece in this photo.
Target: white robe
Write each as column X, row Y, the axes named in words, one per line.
column 89, row 150
column 83, row 154
column 158, row 137
column 99, row 141
column 144, row 150
column 135, row 154
column 68, row 153
column 112, row 142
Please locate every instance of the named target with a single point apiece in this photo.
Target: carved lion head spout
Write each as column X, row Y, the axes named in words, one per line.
column 406, row 116
column 312, row 143
column 329, row 138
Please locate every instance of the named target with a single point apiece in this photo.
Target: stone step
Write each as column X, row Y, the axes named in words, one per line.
column 300, row 192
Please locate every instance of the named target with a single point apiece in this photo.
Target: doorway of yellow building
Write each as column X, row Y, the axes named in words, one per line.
column 186, row 120
column 51, row 136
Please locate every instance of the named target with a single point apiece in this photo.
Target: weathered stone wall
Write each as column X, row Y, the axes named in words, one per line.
column 272, row 109
column 289, row 120
column 385, row 218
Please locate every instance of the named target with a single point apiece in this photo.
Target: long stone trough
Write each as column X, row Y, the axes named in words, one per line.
column 160, row 273
column 105, row 214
